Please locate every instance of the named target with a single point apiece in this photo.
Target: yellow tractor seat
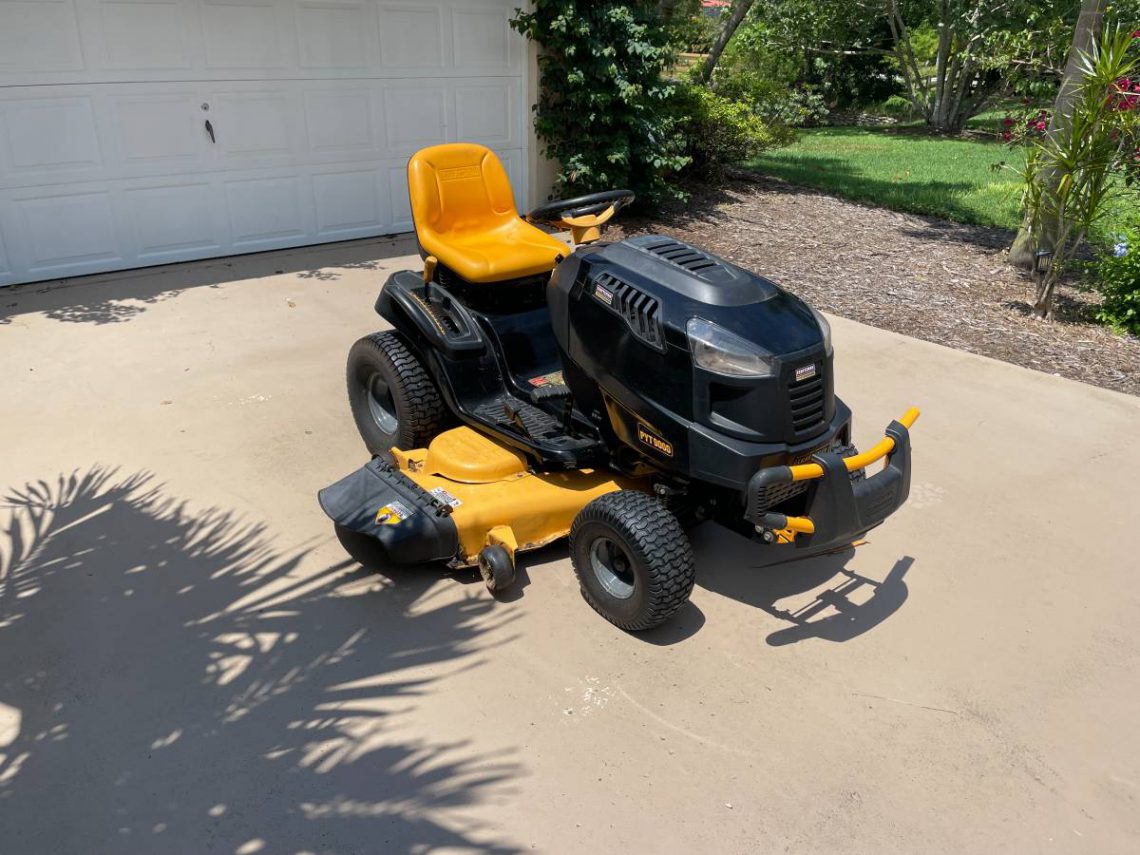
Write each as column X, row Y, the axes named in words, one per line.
column 465, row 216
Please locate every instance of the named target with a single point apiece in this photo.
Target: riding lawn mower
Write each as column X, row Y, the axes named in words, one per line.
column 615, row 392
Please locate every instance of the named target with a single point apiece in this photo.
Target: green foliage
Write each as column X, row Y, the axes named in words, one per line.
column 784, row 60
column 1116, row 275
column 1069, row 170
column 604, row 111
column 899, row 107
column 720, row 132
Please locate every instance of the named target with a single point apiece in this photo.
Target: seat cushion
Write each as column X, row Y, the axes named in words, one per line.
column 511, row 250
column 465, row 216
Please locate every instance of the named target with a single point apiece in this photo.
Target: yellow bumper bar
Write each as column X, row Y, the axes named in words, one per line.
column 807, row 471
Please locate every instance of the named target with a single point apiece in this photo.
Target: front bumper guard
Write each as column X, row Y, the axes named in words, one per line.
column 838, row 509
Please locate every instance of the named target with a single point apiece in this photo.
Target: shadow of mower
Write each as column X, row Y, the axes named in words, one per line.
column 832, row 602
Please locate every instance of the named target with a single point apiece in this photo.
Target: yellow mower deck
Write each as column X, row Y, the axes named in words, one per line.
column 495, row 498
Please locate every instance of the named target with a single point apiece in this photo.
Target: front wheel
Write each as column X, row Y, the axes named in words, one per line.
column 393, row 399
column 633, row 561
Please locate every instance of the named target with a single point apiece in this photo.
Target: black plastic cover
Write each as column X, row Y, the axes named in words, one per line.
column 619, row 313
column 416, row 527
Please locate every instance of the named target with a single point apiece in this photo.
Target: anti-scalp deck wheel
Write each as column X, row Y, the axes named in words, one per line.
column 634, row 563
column 393, row 399
column 496, row 568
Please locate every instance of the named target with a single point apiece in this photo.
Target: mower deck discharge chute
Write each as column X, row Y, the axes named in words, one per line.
column 608, row 393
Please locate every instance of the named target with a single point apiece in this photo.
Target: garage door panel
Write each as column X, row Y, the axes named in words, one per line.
column 144, row 34
column 349, row 203
column 411, row 37
column 514, row 166
column 482, row 38
column 336, row 34
column 265, row 210
column 171, row 219
column 414, row 116
column 487, row 113
column 341, row 124
column 242, row 35
column 39, row 35
column 255, row 128
column 159, row 131
column 50, row 134
column 66, row 231
column 5, row 267
column 398, row 198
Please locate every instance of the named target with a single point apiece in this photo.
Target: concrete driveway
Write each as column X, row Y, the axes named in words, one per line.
column 190, row 661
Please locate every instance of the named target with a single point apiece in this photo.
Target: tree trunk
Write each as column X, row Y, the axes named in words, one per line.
column 736, row 16
column 1023, row 250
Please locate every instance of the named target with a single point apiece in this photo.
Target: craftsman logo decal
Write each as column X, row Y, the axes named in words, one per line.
column 443, row 496
column 458, row 173
column 604, row 294
column 393, row 513
column 655, row 442
column 805, row 372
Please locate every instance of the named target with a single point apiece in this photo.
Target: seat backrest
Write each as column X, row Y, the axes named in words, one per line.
column 458, row 187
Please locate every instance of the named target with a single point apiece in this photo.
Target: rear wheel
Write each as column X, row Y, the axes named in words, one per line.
column 393, row 399
column 633, row 560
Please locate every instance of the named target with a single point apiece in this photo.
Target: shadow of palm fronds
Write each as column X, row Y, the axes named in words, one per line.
column 171, row 680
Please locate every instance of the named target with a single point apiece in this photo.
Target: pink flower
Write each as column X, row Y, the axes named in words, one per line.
column 1136, row 35
column 1040, row 126
column 1007, row 136
column 1007, row 121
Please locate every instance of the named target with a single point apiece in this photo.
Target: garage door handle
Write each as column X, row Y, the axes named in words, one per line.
column 210, row 131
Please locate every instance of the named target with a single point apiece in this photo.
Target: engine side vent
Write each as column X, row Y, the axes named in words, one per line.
column 641, row 312
column 692, row 259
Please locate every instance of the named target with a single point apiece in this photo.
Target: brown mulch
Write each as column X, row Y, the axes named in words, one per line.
column 920, row 276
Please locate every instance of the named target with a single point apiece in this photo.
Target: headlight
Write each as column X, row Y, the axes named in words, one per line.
column 716, row 349
column 825, row 328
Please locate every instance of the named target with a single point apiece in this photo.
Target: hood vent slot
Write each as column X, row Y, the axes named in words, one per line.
column 641, row 312
column 692, row 259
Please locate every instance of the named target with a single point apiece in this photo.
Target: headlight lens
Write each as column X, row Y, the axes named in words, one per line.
column 825, row 328
column 716, row 349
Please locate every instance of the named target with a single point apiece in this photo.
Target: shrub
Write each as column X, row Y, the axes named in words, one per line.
column 1116, row 275
column 899, row 107
column 719, row 132
column 802, row 107
column 604, row 111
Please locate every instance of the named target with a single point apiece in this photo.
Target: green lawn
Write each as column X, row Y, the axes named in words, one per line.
column 948, row 178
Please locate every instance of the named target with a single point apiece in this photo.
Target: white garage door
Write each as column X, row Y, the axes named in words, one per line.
column 136, row 132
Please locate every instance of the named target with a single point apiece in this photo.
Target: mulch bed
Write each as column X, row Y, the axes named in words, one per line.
column 920, row 276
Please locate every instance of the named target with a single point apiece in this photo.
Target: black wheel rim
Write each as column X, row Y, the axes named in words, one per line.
column 612, row 567
column 380, row 404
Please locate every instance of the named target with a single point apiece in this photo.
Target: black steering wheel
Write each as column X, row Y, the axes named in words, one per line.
column 552, row 213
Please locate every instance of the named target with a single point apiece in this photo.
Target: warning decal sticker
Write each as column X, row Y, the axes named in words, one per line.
column 445, row 497
column 393, row 513
column 554, row 378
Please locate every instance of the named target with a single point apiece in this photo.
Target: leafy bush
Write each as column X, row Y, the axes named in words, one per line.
column 604, row 111
column 802, row 107
column 1116, row 275
column 899, row 107
column 719, row 132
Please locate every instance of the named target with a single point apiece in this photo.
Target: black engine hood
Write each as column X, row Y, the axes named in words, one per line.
column 620, row 311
